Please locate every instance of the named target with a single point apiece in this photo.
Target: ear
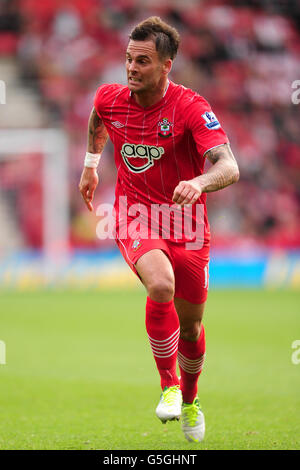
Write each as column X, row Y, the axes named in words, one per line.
column 167, row 66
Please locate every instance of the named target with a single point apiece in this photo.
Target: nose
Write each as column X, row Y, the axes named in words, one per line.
column 132, row 67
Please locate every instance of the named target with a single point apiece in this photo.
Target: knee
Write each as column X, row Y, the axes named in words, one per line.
column 191, row 332
column 161, row 289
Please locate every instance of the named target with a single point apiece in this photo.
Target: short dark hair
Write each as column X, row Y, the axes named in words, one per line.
column 165, row 37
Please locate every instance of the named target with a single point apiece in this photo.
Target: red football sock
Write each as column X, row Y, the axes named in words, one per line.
column 163, row 330
column 190, row 359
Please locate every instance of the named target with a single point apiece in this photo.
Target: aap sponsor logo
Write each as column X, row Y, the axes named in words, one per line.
column 139, row 158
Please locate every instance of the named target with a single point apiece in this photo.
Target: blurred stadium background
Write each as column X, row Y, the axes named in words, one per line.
column 242, row 56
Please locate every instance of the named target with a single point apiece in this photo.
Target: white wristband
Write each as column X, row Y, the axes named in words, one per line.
column 92, row 159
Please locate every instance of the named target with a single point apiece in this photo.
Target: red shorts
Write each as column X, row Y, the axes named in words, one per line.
column 190, row 266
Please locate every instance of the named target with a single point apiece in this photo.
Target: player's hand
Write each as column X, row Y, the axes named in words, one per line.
column 87, row 185
column 187, row 192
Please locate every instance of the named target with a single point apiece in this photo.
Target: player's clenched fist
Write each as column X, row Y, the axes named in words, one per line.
column 187, row 192
column 87, row 185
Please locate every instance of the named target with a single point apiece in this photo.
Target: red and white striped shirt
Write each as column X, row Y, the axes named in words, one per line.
column 158, row 146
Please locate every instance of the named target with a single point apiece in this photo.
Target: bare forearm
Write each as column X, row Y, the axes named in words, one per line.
column 97, row 138
column 223, row 172
column 97, row 133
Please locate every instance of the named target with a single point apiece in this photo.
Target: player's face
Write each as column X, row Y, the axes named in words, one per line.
column 145, row 70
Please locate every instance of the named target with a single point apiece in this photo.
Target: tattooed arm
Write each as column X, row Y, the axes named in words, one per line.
column 97, row 133
column 97, row 138
column 223, row 173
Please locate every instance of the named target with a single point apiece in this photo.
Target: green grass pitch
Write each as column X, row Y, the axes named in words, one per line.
column 79, row 372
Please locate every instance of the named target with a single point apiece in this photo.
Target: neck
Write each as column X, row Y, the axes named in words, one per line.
column 151, row 97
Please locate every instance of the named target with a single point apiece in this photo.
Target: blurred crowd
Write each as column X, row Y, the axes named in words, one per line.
column 242, row 56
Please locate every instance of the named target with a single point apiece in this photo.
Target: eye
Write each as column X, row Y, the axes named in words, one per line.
column 143, row 61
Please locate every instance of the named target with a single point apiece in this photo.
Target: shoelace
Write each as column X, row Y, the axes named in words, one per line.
column 190, row 413
column 169, row 394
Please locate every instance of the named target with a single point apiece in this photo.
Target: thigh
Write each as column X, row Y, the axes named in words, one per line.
column 154, row 266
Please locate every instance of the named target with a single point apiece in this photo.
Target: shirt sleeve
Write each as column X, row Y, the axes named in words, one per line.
column 99, row 99
column 204, row 126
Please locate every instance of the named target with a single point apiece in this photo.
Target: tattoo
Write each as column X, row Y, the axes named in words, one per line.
column 218, row 152
column 97, row 133
column 223, row 172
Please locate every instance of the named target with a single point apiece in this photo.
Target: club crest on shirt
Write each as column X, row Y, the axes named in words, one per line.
column 165, row 128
